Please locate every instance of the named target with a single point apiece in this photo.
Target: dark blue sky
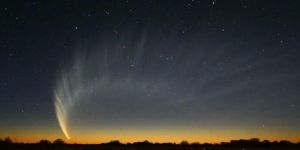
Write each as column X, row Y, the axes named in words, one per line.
column 222, row 65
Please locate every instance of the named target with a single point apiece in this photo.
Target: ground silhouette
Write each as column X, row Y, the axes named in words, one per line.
column 242, row 144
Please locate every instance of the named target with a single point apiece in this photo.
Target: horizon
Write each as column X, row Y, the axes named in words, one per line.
column 166, row 135
column 150, row 142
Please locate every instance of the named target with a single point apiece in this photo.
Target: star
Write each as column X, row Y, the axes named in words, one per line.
column 106, row 12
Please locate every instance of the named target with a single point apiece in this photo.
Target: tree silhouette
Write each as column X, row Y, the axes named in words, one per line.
column 285, row 143
column 144, row 143
column 59, row 142
column 253, row 143
column 266, row 143
column 44, row 142
column 114, row 142
column 184, row 143
column 8, row 140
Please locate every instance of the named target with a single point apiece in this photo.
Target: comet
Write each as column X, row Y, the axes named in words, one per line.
column 66, row 94
column 63, row 103
column 61, row 114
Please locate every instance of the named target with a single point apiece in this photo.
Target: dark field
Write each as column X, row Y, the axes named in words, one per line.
column 133, row 147
column 252, row 144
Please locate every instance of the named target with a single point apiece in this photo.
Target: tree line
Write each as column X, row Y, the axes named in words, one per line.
column 253, row 142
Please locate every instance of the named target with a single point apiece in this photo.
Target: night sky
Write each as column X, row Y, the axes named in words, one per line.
column 163, row 71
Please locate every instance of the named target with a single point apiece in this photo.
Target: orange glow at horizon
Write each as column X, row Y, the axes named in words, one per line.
column 131, row 140
column 159, row 136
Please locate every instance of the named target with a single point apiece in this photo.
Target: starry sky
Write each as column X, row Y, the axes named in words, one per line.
column 163, row 71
